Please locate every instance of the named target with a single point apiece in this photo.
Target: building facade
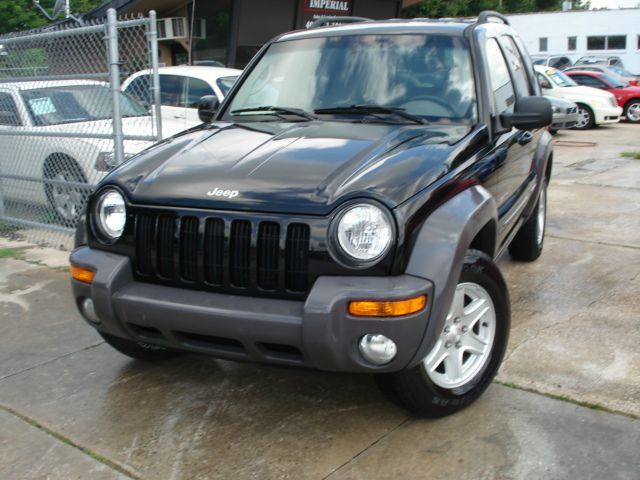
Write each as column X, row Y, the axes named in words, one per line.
column 232, row 31
column 583, row 32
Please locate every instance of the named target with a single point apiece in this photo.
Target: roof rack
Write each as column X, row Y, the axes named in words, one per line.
column 484, row 17
column 326, row 21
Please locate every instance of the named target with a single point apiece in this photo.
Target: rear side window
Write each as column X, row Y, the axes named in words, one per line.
column 516, row 63
column 503, row 94
column 140, row 89
column 196, row 89
column 171, row 88
column 588, row 81
column 8, row 111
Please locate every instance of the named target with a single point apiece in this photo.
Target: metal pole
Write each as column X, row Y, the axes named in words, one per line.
column 114, row 81
column 67, row 9
column 155, row 76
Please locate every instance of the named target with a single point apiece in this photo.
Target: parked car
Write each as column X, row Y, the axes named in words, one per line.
column 181, row 88
column 627, row 97
column 343, row 211
column 595, row 107
column 610, row 60
column 565, row 114
column 616, row 73
column 78, row 106
column 556, row 61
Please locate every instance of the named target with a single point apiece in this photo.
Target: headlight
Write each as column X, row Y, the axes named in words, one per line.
column 110, row 215
column 555, row 109
column 364, row 233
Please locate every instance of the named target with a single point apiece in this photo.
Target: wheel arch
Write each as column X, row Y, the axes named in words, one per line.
column 52, row 162
column 469, row 218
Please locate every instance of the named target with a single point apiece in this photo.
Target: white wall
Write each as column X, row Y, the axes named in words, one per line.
column 558, row 26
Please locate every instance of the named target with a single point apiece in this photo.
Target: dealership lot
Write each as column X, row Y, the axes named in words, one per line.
column 71, row 407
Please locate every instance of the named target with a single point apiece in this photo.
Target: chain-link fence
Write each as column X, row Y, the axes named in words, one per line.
column 64, row 122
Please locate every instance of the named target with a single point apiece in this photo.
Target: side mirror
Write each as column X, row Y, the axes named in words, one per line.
column 207, row 107
column 544, row 83
column 529, row 113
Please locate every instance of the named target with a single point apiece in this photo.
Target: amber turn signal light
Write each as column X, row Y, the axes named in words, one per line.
column 82, row 274
column 387, row 308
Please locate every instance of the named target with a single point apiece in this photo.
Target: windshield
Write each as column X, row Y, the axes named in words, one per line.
column 76, row 103
column 427, row 76
column 614, row 82
column 560, row 78
column 225, row 84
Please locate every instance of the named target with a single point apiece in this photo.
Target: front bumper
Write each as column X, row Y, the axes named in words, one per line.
column 316, row 333
column 607, row 115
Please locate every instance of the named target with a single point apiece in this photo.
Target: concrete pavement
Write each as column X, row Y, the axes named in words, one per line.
column 71, row 407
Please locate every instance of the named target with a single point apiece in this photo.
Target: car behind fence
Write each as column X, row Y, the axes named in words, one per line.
column 64, row 121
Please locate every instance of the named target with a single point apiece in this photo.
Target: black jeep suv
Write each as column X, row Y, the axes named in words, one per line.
column 342, row 211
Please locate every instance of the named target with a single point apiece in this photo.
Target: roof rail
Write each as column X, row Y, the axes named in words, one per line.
column 484, row 17
column 326, row 21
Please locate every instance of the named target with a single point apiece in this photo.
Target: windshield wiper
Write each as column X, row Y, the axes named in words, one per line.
column 278, row 111
column 372, row 109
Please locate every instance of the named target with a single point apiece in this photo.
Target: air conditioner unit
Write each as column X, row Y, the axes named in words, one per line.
column 174, row 28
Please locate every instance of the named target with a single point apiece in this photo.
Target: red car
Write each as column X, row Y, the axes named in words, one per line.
column 628, row 97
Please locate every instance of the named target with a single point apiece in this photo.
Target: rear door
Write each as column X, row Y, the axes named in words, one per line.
column 172, row 99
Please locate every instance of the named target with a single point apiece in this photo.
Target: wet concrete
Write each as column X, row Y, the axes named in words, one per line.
column 575, row 335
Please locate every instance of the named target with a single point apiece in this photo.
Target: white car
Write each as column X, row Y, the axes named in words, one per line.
column 64, row 107
column 595, row 107
column 180, row 90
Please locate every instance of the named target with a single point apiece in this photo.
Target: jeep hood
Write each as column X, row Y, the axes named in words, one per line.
column 298, row 168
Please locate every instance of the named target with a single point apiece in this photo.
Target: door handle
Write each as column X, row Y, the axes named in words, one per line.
column 178, row 116
column 525, row 138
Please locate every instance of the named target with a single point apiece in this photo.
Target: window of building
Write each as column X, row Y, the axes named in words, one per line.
column 610, row 42
column 503, row 92
column 638, row 42
column 571, row 43
column 542, row 44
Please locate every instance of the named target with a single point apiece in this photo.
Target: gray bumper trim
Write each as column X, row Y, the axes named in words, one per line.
column 317, row 333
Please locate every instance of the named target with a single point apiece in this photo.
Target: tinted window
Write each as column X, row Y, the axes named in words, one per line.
column 517, row 67
column 8, row 111
column 427, row 75
column 501, row 85
column 542, row 44
column 225, row 84
column 571, row 43
column 171, row 88
column 140, row 89
column 596, row 43
column 588, row 81
column 196, row 89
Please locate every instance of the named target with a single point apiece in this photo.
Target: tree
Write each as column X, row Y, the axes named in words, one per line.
column 470, row 8
column 18, row 15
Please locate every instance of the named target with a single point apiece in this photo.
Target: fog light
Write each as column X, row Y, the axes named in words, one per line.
column 89, row 311
column 377, row 349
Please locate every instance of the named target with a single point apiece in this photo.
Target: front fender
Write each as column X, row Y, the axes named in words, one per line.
column 542, row 159
column 439, row 250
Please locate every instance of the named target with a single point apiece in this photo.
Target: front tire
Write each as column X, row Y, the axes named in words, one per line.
column 468, row 351
column 139, row 350
column 632, row 111
column 586, row 119
column 527, row 245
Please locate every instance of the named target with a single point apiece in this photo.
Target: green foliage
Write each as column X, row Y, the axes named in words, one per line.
column 18, row 15
column 470, row 8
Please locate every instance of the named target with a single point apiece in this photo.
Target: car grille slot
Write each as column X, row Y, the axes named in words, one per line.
column 296, row 255
column 145, row 232
column 239, row 253
column 189, row 248
column 268, row 251
column 213, row 251
column 222, row 254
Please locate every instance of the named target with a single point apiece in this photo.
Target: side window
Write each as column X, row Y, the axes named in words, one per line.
column 171, row 89
column 196, row 89
column 140, row 89
column 503, row 94
column 543, row 81
column 9, row 115
column 588, row 81
column 516, row 63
